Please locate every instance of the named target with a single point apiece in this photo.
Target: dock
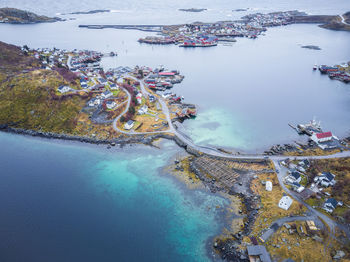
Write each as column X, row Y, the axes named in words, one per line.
column 147, row 28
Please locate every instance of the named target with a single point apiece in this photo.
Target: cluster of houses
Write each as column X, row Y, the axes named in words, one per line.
column 296, row 171
column 85, row 58
column 49, row 57
column 271, row 19
column 339, row 72
column 208, row 34
column 160, row 79
column 318, row 185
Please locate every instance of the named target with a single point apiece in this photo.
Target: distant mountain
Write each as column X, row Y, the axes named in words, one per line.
column 17, row 16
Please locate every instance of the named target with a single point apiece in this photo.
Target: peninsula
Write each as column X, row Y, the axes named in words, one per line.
column 17, row 16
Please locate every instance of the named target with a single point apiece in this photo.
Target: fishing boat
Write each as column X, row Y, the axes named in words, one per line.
column 309, row 128
column 315, row 67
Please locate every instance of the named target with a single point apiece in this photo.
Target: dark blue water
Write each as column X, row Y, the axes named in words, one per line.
column 71, row 202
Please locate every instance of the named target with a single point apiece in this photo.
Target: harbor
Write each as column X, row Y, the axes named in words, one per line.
column 339, row 72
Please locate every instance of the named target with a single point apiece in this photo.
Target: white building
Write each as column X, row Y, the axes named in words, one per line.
column 143, row 110
column 285, row 202
column 94, row 102
column 326, row 179
column 111, row 104
column 139, row 98
column 268, row 186
column 106, row 94
column 128, row 125
column 322, row 137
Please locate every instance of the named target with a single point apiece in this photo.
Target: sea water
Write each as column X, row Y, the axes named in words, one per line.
column 66, row 201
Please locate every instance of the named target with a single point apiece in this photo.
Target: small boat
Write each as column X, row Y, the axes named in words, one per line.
column 315, row 67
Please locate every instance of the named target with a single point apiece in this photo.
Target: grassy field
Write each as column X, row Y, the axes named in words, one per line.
column 283, row 245
column 28, row 101
column 269, row 210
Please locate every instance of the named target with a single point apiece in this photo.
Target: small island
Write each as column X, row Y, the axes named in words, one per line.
column 17, row 16
column 89, row 12
column 193, row 10
column 312, row 47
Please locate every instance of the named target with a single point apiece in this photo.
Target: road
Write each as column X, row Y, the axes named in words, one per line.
column 69, row 62
column 279, row 222
column 281, row 174
column 205, row 149
column 343, row 20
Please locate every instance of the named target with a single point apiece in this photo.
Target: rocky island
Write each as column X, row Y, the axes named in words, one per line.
column 89, row 12
column 193, row 10
column 17, row 16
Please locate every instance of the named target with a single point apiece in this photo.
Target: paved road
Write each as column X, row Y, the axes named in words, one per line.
column 281, row 174
column 343, row 20
column 205, row 149
column 69, row 62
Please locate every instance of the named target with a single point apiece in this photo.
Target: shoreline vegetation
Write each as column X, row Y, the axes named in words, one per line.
column 17, row 16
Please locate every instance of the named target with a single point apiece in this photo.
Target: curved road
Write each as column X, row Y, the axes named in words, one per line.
column 204, row 149
column 215, row 152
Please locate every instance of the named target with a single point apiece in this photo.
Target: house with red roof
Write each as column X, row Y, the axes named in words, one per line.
column 325, row 140
column 322, row 137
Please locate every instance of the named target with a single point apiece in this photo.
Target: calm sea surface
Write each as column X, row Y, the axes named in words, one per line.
column 74, row 202
column 70, row 202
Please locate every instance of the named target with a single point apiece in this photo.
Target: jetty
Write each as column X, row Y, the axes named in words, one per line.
column 147, row 28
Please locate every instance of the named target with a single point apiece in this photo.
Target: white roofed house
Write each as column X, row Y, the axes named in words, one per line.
column 143, row 110
column 111, row 104
column 268, row 186
column 139, row 98
column 128, row 125
column 330, row 205
column 326, row 179
column 94, row 102
column 293, row 177
column 106, row 94
column 285, row 202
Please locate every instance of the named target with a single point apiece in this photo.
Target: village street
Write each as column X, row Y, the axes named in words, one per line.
column 281, row 174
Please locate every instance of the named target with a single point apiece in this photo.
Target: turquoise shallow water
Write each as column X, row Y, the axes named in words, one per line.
column 74, row 202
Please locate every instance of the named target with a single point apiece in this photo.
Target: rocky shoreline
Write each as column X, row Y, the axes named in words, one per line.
column 121, row 141
column 229, row 249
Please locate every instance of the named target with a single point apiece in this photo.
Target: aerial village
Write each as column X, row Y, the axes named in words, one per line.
column 123, row 97
column 338, row 72
column 209, row 34
column 135, row 101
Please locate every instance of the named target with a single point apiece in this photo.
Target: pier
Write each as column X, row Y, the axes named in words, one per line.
column 147, row 28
